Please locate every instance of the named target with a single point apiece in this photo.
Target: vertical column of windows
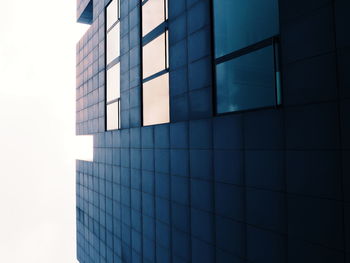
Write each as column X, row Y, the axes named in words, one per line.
column 155, row 69
column 113, row 65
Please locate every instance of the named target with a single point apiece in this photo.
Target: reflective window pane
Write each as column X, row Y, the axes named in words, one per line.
column 152, row 15
column 153, row 55
column 156, row 100
column 112, row 13
column 246, row 82
column 240, row 23
column 112, row 116
column 113, row 38
column 113, row 82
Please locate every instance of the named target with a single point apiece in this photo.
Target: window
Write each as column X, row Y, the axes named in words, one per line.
column 155, row 65
column 246, row 54
column 153, row 56
column 153, row 15
column 113, row 65
column 156, row 99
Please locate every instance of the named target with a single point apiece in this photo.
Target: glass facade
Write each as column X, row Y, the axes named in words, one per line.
column 113, row 66
column 246, row 57
column 155, row 62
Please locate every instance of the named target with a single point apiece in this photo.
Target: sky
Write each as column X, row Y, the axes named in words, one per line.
column 37, row 130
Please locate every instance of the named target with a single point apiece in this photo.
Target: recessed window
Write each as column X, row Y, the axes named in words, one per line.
column 113, row 66
column 246, row 54
column 155, row 79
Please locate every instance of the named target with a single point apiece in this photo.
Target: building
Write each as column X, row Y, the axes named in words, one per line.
column 221, row 131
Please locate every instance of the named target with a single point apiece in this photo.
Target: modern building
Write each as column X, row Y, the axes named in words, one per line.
column 221, row 131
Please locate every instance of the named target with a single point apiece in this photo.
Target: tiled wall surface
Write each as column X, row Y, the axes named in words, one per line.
column 268, row 185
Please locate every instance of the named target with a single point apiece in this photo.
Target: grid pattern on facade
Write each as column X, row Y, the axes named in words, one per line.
column 263, row 186
column 90, row 91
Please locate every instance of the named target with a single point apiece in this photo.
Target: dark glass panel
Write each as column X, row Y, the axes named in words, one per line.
column 246, row 82
column 241, row 23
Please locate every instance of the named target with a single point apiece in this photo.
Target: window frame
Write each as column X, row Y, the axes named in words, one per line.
column 273, row 41
column 112, row 63
column 144, row 40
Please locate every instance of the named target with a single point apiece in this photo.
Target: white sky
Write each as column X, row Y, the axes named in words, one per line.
column 37, row 115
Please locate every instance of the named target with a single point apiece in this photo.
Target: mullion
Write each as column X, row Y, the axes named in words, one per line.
column 113, row 63
column 112, row 101
column 165, row 10
column 246, row 50
column 278, row 88
column 156, row 32
column 112, row 26
column 166, row 49
column 119, row 14
column 155, row 75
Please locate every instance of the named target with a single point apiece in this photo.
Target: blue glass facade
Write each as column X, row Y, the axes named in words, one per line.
column 265, row 185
